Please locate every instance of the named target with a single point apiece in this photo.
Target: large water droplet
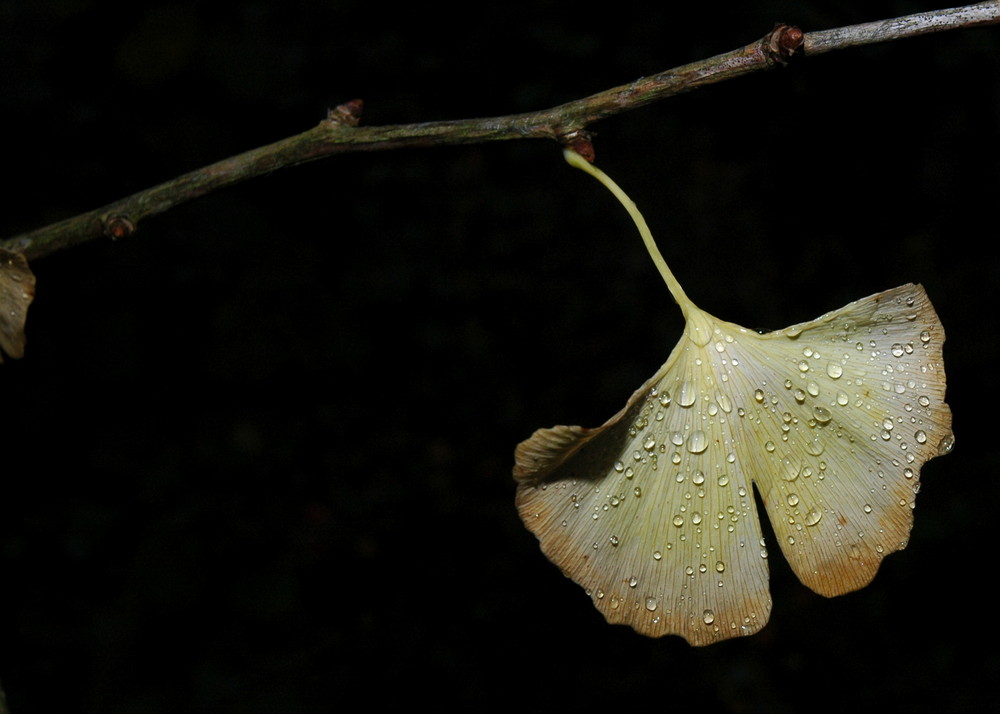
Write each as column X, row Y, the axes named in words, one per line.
column 813, row 517
column 815, row 446
column 688, row 394
column 651, row 603
column 708, row 617
column 834, row 370
column 697, row 442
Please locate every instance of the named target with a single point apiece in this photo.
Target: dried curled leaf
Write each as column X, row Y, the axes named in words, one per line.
column 17, row 290
column 653, row 513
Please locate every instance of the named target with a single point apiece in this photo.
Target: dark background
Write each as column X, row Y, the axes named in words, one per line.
column 257, row 458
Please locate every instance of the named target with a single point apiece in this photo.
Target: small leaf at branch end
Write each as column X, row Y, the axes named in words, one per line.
column 17, row 289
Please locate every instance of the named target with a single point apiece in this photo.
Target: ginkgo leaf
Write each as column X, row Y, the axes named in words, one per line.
column 653, row 513
column 17, row 290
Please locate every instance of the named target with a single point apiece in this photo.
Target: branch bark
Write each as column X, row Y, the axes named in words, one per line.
column 567, row 123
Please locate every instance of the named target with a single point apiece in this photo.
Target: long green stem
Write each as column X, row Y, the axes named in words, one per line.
column 675, row 288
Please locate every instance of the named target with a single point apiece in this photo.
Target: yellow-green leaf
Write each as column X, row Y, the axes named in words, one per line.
column 654, row 514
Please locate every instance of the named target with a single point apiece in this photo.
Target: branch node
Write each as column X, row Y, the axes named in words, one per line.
column 346, row 114
column 783, row 42
column 580, row 142
column 118, row 226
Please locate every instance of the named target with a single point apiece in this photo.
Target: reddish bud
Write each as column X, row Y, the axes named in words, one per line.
column 116, row 227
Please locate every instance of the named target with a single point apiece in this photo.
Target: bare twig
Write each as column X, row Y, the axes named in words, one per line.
column 984, row 13
column 339, row 133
